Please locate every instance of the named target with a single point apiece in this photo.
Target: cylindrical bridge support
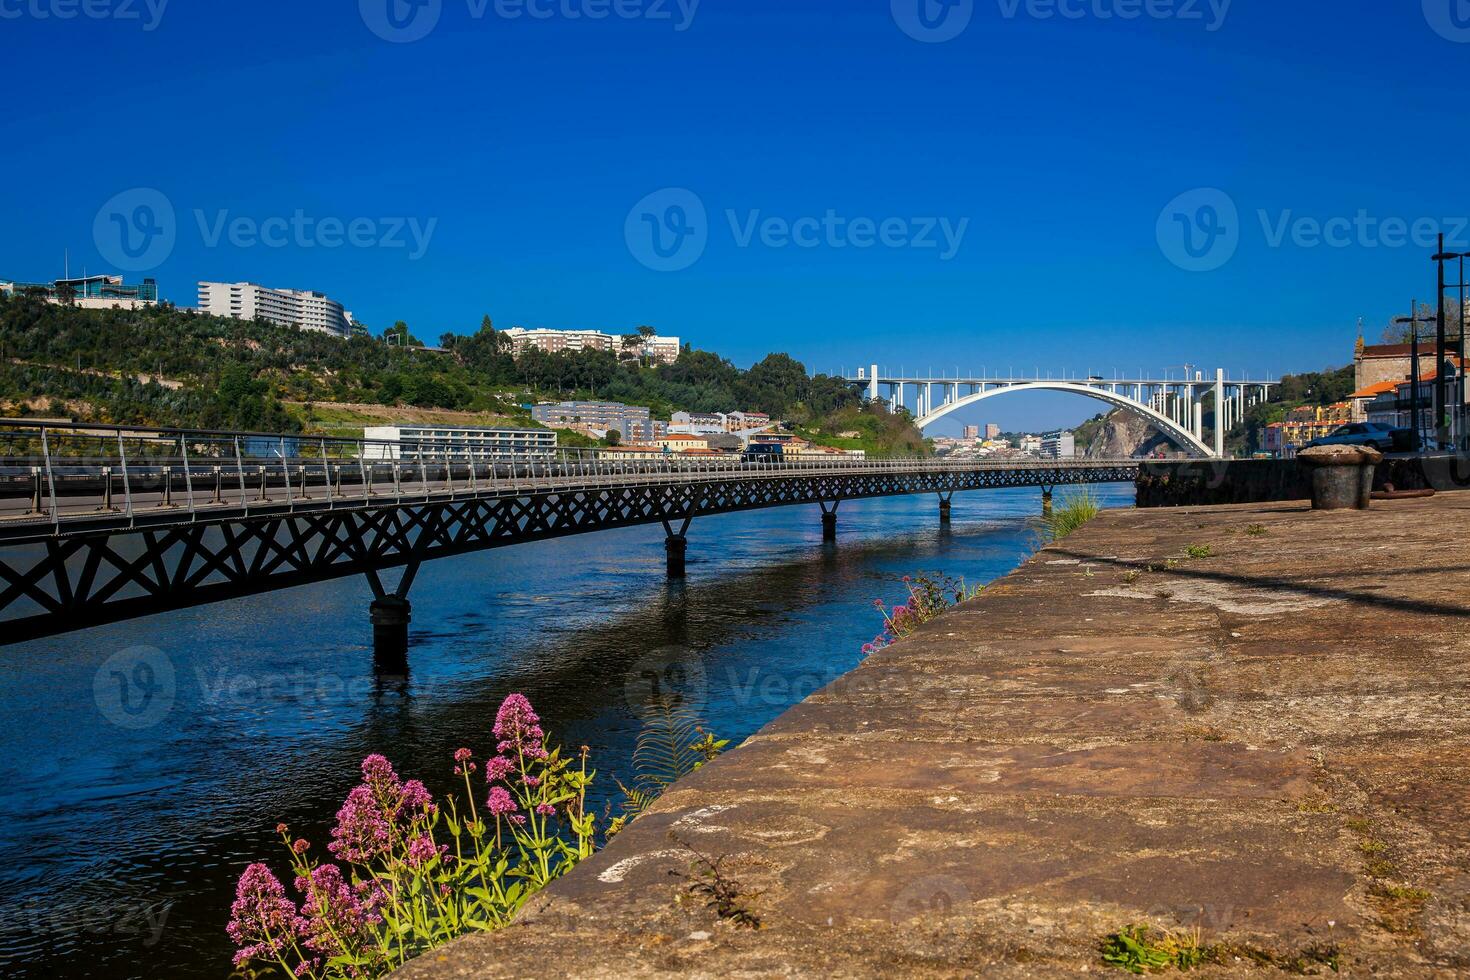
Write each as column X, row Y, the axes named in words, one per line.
column 676, row 546
column 391, row 615
column 829, row 519
column 944, row 508
column 1046, row 502
column 676, row 549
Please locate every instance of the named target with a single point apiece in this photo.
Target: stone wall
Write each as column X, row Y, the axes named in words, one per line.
column 1189, row 483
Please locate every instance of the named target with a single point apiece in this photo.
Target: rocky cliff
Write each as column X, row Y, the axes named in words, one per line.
column 1121, row 434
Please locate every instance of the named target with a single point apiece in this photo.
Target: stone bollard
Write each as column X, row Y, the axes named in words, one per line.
column 1342, row 476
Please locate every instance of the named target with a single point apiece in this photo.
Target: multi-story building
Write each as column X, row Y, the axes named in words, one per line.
column 556, row 341
column 971, row 433
column 699, row 423
column 300, row 308
column 744, row 421
column 632, row 422
column 992, row 431
column 89, row 292
column 1374, row 363
column 1031, row 444
column 433, row 442
column 664, row 350
column 1058, row 445
column 678, row 443
column 1395, row 404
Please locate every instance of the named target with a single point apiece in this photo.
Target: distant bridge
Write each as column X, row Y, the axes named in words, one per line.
column 100, row 524
column 1174, row 405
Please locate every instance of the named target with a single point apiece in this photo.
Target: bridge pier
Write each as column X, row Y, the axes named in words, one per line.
column 1046, row 497
column 390, row 614
column 829, row 520
column 944, row 502
column 676, row 548
column 390, row 617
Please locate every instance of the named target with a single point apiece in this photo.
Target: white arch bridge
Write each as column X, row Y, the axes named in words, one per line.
column 1176, row 406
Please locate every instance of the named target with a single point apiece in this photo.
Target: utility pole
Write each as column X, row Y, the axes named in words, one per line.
column 1413, row 320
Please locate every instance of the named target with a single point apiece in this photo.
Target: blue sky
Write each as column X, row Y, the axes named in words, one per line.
column 503, row 163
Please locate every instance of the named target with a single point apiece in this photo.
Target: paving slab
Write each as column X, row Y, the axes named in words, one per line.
column 1268, row 745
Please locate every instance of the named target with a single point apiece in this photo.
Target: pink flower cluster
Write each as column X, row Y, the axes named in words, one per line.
column 263, row 921
column 519, row 729
column 378, row 812
column 334, row 911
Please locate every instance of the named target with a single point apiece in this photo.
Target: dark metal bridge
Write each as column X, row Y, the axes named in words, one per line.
column 103, row 524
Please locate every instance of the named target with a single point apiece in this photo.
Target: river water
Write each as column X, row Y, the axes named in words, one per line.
column 143, row 765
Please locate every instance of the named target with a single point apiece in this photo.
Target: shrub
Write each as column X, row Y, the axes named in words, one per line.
column 1074, row 510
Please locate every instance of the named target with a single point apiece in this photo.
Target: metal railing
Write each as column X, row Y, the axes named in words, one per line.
column 59, row 473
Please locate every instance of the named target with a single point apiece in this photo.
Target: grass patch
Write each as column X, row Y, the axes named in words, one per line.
column 1071, row 512
column 1199, row 551
column 1255, row 530
column 1398, row 906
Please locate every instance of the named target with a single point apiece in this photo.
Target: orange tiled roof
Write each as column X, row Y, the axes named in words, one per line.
column 1374, row 390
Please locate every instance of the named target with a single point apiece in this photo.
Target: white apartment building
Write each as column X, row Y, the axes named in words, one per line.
column 300, row 308
column 1058, row 445
column 434, row 442
column 664, row 350
column 699, row 423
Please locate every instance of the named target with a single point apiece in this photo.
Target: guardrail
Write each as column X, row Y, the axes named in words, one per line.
column 55, row 473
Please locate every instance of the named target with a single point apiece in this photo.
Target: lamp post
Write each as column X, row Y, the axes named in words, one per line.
column 1442, row 419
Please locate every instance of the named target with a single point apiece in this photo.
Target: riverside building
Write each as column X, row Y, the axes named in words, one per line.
column 437, row 442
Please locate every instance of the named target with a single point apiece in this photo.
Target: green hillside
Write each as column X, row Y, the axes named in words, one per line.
column 162, row 366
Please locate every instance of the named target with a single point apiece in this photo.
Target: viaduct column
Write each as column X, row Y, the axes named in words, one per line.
column 873, row 383
column 1221, row 413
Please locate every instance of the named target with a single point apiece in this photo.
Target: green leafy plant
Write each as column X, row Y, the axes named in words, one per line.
column 721, row 894
column 1199, row 551
column 1139, row 949
column 1255, row 530
column 672, row 745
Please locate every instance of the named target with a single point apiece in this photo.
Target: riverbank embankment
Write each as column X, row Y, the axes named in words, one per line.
column 1250, row 720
